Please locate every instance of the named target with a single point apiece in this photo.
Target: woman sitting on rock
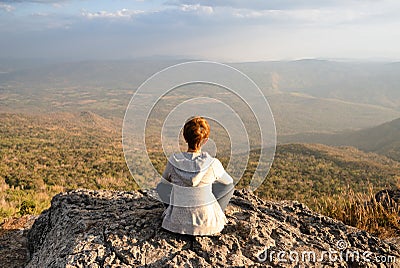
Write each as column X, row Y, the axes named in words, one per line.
column 196, row 186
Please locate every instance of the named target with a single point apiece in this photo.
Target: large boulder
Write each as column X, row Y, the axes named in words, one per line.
column 85, row 228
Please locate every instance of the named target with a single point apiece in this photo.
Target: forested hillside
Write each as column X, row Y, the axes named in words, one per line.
column 42, row 155
column 383, row 139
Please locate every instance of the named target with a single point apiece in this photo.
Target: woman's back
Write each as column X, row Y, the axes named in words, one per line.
column 194, row 209
column 192, row 169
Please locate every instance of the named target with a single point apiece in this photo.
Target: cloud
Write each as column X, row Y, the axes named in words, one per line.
column 303, row 16
column 5, row 7
column 123, row 13
column 197, row 8
column 261, row 4
column 218, row 29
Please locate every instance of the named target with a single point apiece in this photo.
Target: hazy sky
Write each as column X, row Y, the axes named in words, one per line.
column 237, row 30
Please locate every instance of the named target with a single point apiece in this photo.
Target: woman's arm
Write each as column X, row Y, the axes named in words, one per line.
column 221, row 175
column 167, row 171
column 223, row 186
column 164, row 188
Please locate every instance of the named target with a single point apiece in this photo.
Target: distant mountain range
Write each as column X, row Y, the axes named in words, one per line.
column 305, row 96
column 298, row 113
column 383, row 139
column 360, row 82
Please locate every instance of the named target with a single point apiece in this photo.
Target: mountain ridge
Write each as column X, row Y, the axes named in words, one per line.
column 383, row 139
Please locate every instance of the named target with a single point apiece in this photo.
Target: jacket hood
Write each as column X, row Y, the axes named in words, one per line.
column 191, row 167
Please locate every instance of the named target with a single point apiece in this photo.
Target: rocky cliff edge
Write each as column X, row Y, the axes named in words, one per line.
column 85, row 228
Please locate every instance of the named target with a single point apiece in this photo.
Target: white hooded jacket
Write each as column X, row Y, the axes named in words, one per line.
column 194, row 209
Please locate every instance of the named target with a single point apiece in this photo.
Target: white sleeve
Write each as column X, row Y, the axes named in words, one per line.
column 167, row 171
column 221, row 175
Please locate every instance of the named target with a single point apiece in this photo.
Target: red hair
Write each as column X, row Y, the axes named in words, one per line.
column 196, row 130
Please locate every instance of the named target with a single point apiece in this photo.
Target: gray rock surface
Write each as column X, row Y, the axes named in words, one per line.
column 85, row 228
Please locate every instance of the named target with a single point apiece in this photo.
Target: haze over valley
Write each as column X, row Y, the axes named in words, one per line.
column 305, row 96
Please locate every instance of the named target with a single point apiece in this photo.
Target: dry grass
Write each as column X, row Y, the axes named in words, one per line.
column 362, row 211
